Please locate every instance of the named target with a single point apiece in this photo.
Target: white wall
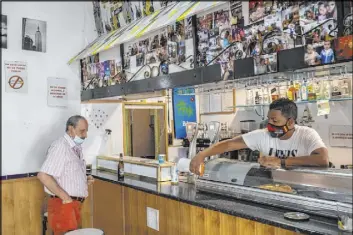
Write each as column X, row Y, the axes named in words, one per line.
column 29, row 125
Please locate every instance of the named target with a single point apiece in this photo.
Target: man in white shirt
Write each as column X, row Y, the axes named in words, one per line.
column 281, row 144
column 63, row 175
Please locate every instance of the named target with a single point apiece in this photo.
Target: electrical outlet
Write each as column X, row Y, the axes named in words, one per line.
column 153, row 218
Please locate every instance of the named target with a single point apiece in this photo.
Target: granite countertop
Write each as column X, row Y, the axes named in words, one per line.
column 249, row 210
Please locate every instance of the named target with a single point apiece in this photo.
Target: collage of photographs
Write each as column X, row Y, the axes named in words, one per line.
column 98, row 74
column 223, row 38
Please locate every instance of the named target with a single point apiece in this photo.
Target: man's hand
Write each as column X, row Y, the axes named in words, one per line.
column 90, row 180
column 196, row 163
column 270, row 162
column 66, row 201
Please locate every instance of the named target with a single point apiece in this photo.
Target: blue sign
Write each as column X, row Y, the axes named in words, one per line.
column 184, row 110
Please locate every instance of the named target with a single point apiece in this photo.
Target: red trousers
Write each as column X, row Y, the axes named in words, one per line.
column 63, row 217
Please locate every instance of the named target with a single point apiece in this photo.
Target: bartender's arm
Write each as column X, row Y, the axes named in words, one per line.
column 218, row 148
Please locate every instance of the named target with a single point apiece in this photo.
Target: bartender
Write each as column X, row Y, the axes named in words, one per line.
column 282, row 144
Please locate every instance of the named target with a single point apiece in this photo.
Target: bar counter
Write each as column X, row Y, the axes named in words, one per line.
column 248, row 211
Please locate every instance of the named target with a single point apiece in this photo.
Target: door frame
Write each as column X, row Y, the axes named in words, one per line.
column 126, row 123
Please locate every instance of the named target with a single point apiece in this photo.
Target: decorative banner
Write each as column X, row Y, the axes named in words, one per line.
column 57, row 92
column 16, row 76
column 184, row 110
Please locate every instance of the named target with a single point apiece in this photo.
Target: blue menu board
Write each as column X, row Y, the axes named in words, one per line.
column 184, row 110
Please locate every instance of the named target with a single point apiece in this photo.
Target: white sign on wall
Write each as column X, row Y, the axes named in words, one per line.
column 16, row 76
column 57, row 92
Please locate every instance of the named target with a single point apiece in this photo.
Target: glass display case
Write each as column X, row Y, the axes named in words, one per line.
column 325, row 192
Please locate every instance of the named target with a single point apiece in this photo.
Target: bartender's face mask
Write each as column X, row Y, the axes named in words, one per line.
column 278, row 125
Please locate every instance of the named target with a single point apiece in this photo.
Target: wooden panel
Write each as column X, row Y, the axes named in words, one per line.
column 212, row 222
column 264, row 229
column 151, row 201
column 185, row 219
column 142, row 216
column 130, row 211
column 172, row 215
column 24, row 216
column 7, row 208
column 108, row 207
column 197, row 220
column 86, row 210
column 228, row 224
column 245, row 226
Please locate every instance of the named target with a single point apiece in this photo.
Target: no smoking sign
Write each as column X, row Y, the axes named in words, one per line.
column 16, row 82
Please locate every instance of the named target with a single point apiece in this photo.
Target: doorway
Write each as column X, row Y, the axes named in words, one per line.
column 145, row 130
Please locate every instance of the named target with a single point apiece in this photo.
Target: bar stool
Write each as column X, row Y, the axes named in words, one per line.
column 86, row 231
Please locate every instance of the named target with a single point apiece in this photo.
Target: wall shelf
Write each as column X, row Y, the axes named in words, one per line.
column 297, row 102
column 193, row 77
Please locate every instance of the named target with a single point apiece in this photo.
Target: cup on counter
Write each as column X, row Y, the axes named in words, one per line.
column 161, row 158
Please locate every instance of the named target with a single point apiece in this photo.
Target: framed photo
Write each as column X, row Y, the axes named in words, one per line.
column 34, row 35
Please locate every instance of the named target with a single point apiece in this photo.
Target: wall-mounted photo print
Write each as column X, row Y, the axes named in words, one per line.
column 265, row 64
column 344, row 48
column 319, row 55
column 34, row 35
column 3, row 31
column 256, row 11
column 236, row 13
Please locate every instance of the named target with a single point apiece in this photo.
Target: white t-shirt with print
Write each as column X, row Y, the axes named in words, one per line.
column 302, row 143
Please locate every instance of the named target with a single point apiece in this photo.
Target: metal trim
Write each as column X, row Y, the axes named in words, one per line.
column 288, row 201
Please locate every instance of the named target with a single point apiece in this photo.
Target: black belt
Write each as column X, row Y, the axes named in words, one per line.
column 80, row 199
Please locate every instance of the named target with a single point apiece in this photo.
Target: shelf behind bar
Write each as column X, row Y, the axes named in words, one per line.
column 198, row 76
column 297, row 102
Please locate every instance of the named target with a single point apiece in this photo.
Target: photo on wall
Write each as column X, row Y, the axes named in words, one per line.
column 236, row 13
column 265, row 64
column 34, row 35
column 292, row 31
column 319, row 55
column 318, row 21
column 3, row 31
column 344, row 48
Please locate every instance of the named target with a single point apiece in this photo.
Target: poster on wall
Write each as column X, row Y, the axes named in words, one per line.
column 184, row 110
column 34, row 35
column 3, row 31
column 16, row 76
column 57, row 92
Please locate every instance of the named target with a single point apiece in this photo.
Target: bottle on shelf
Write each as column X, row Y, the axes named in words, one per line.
column 326, row 90
column 317, row 90
column 311, row 93
column 257, row 98
column 297, row 86
column 121, row 167
column 291, row 92
column 274, row 93
column 265, row 96
column 304, row 91
column 282, row 91
column 249, row 97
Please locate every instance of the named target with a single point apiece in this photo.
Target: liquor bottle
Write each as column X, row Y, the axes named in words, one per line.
column 316, row 90
column 326, row 90
column 304, row 91
column 121, row 167
column 257, row 98
column 291, row 92
column 311, row 93
column 265, row 95
column 297, row 86
column 249, row 97
column 274, row 94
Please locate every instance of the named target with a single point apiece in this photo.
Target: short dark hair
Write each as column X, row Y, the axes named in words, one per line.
column 73, row 120
column 287, row 107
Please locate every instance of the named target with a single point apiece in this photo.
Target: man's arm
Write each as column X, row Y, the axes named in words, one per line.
column 318, row 158
column 51, row 184
column 218, row 148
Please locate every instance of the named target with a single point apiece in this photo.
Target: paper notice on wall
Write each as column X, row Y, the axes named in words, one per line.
column 16, row 76
column 57, row 92
column 341, row 136
column 323, row 107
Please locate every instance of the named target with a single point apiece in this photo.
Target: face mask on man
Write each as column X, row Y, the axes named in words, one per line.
column 78, row 140
column 277, row 131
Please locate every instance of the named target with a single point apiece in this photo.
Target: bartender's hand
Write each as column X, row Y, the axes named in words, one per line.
column 90, row 180
column 195, row 164
column 270, row 162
